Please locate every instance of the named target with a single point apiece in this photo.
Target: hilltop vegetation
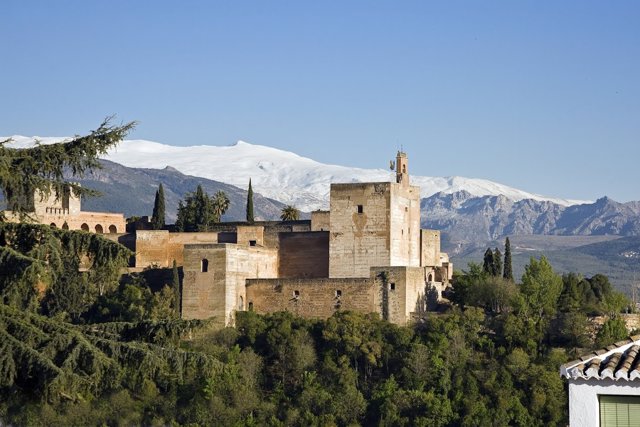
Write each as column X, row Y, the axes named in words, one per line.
column 122, row 357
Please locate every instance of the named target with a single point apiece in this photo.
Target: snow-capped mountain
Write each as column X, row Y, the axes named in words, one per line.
column 283, row 175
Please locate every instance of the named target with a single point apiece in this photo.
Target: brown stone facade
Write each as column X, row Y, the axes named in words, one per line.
column 65, row 212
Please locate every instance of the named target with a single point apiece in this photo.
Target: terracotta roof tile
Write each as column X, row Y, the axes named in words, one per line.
column 618, row 362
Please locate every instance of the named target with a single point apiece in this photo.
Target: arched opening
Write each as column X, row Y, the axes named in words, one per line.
column 430, row 278
column 53, row 225
column 113, row 229
column 99, row 229
column 84, row 227
column 250, row 305
column 241, row 303
column 65, row 226
column 204, row 265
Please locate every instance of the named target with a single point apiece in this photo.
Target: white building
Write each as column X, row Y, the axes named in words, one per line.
column 604, row 386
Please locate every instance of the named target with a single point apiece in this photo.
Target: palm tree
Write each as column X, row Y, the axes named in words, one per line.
column 290, row 213
column 220, row 203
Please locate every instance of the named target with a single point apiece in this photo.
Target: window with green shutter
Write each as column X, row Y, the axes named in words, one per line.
column 619, row 411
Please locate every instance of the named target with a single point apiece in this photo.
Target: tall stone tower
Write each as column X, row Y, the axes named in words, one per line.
column 402, row 171
column 374, row 225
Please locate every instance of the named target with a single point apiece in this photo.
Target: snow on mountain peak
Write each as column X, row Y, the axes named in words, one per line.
column 279, row 174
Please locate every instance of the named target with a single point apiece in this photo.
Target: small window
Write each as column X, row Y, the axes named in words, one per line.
column 65, row 226
column 52, row 225
column 84, row 227
column 241, row 304
column 99, row 229
column 296, row 294
column 250, row 305
column 204, row 265
column 252, row 242
column 338, row 293
column 113, row 229
column 360, row 209
column 392, row 286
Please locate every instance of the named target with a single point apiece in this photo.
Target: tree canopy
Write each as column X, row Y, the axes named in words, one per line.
column 199, row 212
column 290, row 213
column 25, row 171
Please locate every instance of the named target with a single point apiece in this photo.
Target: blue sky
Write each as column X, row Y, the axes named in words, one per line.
column 542, row 96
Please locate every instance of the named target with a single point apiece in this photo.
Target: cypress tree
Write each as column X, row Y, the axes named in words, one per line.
column 175, row 285
column 250, row 204
column 497, row 263
column 508, row 269
column 157, row 220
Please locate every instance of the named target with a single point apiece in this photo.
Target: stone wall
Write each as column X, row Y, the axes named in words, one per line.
column 215, row 276
column 359, row 225
column 94, row 222
column 160, row 248
column 304, row 254
column 320, row 221
column 400, row 292
column 250, row 235
column 404, row 229
column 311, row 298
column 430, row 253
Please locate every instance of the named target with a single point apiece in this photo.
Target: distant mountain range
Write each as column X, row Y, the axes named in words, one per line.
column 471, row 213
column 470, row 221
column 282, row 175
column 132, row 192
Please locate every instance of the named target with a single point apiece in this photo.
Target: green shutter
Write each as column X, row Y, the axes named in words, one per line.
column 619, row 411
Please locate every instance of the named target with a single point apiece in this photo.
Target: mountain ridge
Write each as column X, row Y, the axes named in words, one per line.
column 283, row 175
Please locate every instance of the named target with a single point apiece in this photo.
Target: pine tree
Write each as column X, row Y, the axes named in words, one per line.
column 508, row 269
column 497, row 263
column 250, row 204
column 487, row 265
column 157, row 220
column 42, row 168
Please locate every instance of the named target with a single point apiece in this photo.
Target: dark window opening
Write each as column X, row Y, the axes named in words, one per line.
column 252, row 242
column 392, row 286
column 204, row 265
column 250, row 305
column 360, row 209
column 338, row 293
column 296, row 294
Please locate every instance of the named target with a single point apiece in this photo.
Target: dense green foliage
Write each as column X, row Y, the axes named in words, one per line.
column 491, row 361
column 158, row 216
column 40, row 268
column 290, row 213
column 199, row 212
column 42, row 167
column 250, row 204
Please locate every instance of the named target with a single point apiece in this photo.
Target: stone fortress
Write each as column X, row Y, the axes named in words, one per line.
column 65, row 212
column 366, row 254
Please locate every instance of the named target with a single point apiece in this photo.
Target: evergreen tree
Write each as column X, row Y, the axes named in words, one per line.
column 250, row 204
column 198, row 211
column 497, row 263
column 487, row 265
column 23, row 171
column 508, row 269
column 175, row 285
column 157, row 220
